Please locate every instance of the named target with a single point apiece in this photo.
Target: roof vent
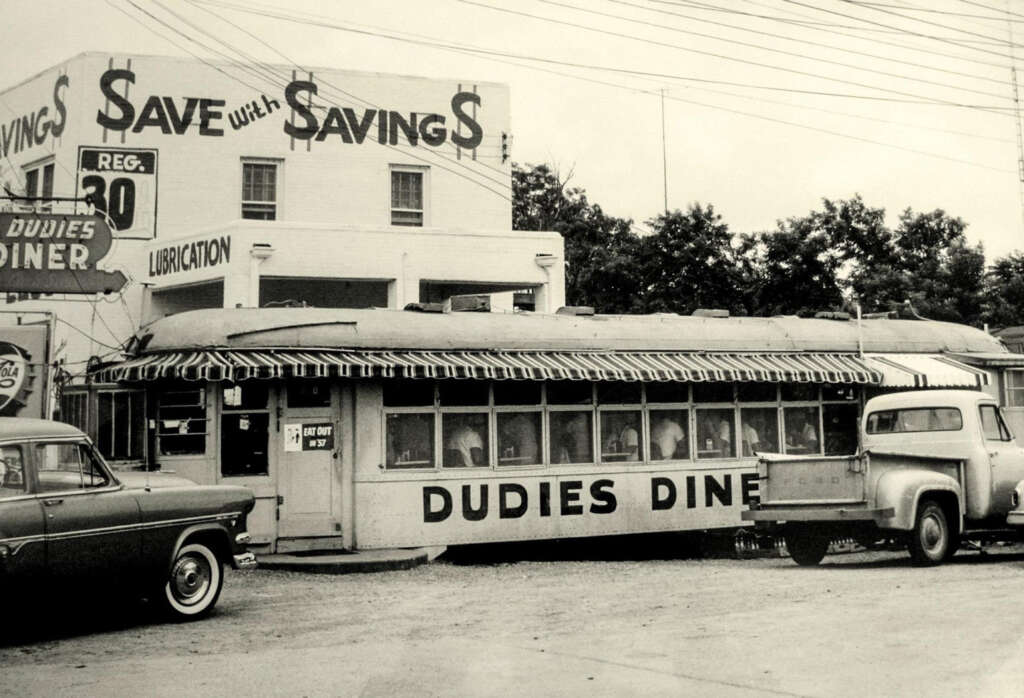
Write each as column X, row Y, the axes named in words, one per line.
column 582, row 310
column 468, row 303
column 424, row 307
column 710, row 312
column 832, row 315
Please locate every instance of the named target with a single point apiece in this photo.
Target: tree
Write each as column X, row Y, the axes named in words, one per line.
column 1004, row 292
column 599, row 249
column 688, row 263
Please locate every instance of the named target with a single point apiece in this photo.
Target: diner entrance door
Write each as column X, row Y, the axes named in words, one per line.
column 307, row 482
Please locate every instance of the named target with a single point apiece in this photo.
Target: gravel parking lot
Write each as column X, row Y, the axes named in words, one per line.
column 495, row 622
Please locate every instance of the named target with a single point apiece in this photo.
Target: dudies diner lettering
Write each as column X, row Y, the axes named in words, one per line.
column 190, row 256
column 571, row 497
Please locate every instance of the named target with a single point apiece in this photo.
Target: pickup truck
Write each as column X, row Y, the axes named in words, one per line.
column 935, row 467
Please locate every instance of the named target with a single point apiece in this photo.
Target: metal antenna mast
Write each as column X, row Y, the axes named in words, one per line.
column 1016, row 113
column 664, row 156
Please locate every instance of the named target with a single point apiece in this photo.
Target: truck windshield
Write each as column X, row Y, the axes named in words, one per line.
column 915, row 419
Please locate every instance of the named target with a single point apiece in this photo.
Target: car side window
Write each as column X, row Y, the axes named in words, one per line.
column 68, row 467
column 12, row 471
column 993, row 425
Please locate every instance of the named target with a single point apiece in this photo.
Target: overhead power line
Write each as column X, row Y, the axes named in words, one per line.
column 929, row 23
column 722, row 56
column 760, row 47
column 831, row 47
column 902, row 30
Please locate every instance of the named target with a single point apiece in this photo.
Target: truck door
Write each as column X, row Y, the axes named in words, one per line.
column 1005, row 457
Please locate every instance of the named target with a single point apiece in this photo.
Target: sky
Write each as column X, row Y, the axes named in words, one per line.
column 760, row 108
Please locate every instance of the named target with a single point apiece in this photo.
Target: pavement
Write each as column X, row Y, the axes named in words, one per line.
column 344, row 562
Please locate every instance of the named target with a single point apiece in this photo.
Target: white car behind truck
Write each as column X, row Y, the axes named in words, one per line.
column 935, row 467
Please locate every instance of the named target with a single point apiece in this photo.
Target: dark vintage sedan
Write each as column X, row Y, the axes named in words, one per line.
column 66, row 517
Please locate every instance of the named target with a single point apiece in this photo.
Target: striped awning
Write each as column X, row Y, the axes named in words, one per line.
column 235, row 365
column 926, row 371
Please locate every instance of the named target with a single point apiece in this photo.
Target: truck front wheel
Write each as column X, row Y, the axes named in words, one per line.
column 805, row 547
column 930, row 540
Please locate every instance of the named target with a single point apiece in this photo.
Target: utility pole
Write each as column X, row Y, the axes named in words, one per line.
column 664, row 156
column 1016, row 113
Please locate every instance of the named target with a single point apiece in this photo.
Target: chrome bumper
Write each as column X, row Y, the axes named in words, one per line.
column 1015, row 518
column 245, row 561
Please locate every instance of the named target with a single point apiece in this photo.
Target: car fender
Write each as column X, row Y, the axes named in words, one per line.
column 206, row 528
column 902, row 489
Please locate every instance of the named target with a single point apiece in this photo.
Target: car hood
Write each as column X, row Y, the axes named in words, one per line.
column 134, row 480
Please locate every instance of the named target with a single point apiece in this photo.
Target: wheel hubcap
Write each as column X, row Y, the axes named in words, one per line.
column 190, row 579
column 931, row 534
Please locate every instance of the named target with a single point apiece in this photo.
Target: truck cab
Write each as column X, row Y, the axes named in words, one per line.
column 934, row 466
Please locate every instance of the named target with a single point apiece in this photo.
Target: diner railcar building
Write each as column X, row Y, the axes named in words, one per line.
column 386, row 428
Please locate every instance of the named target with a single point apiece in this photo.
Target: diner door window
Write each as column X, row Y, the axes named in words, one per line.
column 121, row 425
column 408, row 187
column 244, row 429
column 260, row 189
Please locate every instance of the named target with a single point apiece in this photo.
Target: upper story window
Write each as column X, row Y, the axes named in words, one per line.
column 408, row 193
column 259, row 189
column 39, row 183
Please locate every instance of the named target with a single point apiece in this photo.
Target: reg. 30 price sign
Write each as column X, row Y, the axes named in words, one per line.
column 120, row 183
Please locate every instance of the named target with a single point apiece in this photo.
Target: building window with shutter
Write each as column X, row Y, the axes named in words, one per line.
column 259, row 189
column 39, row 183
column 408, row 193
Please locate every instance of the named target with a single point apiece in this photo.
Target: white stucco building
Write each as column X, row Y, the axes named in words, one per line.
column 248, row 186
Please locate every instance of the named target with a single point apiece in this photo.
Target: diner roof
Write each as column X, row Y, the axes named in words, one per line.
column 335, row 328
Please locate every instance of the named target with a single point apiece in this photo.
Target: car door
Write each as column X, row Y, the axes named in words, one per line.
column 22, row 546
column 92, row 523
column 1005, row 457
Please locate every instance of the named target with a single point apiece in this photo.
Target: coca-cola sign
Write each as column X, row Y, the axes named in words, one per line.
column 15, row 378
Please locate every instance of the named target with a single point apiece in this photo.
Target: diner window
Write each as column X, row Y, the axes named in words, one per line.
column 74, row 409
column 121, row 424
column 465, row 437
column 618, row 393
column 669, row 438
column 259, row 189
column 519, row 435
column 621, row 436
column 244, row 429
column 667, row 392
column 410, row 438
column 572, row 436
column 840, row 423
column 462, row 393
column 757, row 392
column 12, row 471
column 759, row 430
column 181, row 422
column 309, row 392
column 801, row 425
column 712, row 392
column 1015, row 388
column 716, row 433
column 517, row 393
column 408, row 195
column 570, row 393
column 409, row 392
column 799, row 392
